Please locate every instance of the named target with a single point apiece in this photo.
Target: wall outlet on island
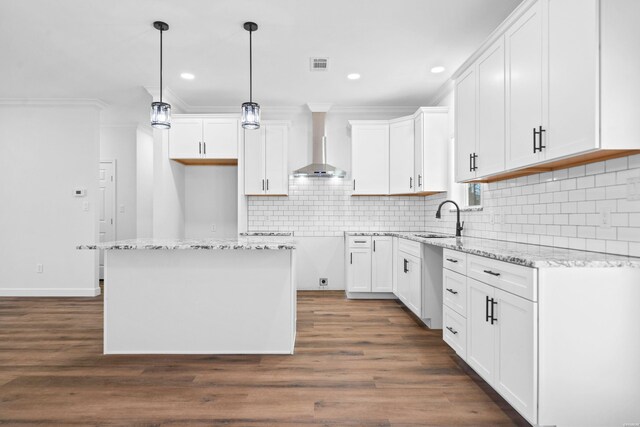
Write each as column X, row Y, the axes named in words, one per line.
column 39, row 268
column 323, row 282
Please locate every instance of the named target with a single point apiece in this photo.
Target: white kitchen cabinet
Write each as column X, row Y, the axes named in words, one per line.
column 265, row 160
column 409, row 269
column 515, row 351
column 401, row 156
column 370, row 157
column 525, row 58
column 197, row 138
column 431, row 150
column 565, row 101
column 359, row 270
column 369, row 265
column 481, row 333
column 466, row 124
column 382, row 264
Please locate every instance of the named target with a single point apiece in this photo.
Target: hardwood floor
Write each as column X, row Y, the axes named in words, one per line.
column 365, row 363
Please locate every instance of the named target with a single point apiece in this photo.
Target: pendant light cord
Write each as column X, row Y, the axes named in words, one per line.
column 250, row 67
column 160, row 65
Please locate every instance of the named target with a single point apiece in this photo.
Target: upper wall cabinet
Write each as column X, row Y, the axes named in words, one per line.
column 404, row 156
column 204, row 139
column 370, row 157
column 401, row 155
column 265, row 160
column 565, row 100
column 431, row 150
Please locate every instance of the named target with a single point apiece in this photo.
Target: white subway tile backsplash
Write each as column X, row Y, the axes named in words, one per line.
column 559, row 208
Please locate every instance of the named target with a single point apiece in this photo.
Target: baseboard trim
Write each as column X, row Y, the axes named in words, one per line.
column 49, row 292
column 371, row 295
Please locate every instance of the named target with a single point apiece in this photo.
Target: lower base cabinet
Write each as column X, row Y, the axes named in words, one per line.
column 409, row 268
column 369, row 264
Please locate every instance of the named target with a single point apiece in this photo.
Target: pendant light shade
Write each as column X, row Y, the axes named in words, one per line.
column 160, row 111
column 250, row 110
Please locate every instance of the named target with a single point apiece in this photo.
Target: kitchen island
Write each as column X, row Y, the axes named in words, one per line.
column 199, row 296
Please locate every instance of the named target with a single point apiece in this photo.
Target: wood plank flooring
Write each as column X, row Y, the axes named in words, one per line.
column 364, row 363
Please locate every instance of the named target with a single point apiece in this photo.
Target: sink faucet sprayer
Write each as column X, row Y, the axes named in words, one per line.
column 458, row 225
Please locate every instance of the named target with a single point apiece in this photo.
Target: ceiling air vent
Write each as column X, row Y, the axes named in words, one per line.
column 319, row 64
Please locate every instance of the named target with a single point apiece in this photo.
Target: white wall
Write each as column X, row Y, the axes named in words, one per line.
column 119, row 143
column 144, row 182
column 46, row 151
column 211, row 198
column 318, row 257
column 168, row 190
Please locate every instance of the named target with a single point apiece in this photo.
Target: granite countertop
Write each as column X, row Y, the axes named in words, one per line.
column 241, row 243
column 266, row 233
column 536, row 256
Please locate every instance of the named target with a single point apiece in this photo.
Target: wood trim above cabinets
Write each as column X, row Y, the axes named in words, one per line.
column 208, row 162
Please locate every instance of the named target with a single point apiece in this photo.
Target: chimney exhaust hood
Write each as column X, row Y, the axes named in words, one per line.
column 319, row 167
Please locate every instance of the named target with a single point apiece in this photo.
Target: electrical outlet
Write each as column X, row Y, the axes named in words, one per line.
column 323, row 282
column 213, row 228
column 605, row 218
column 121, row 208
column 85, row 206
column 633, row 188
column 39, row 268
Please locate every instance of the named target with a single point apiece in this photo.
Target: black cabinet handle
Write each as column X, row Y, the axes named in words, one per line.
column 351, row 256
column 455, row 261
column 354, row 185
column 486, row 309
column 199, row 147
column 452, row 291
column 359, row 241
column 419, row 180
column 470, row 162
column 475, row 157
column 410, row 182
column 493, row 310
column 453, row 331
column 267, row 179
column 204, row 148
column 263, row 185
column 374, row 246
column 538, row 133
column 406, row 266
column 493, row 273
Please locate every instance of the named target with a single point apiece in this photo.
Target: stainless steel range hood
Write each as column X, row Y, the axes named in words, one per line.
column 319, row 168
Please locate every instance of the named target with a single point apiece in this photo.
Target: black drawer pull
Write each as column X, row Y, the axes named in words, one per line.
column 452, row 260
column 359, row 241
column 406, row 266
column 452, row 291
column 491, row 272
column 453, row 331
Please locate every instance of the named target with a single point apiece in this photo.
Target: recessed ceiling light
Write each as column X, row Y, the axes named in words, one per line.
column 353, row 76
column 438, row 69
column 187, row 76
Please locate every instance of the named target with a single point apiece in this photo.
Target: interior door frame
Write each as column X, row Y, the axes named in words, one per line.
column 114, row 201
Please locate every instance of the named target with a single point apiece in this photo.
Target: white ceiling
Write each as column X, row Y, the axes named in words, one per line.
column 103, row 49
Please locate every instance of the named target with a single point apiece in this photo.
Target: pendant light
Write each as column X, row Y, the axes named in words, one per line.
column 250, row 110
column 161, row 111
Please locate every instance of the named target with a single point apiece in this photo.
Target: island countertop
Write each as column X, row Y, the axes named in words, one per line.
column 536, row 256
column 240, row 243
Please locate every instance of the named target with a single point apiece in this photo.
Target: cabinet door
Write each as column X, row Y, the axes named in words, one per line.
column 359, row 270
column 480, row 332
column 454, row 292
column 525, row 64
column 402, row 285
column 370, row 159
column 382, row 264
column 401, row 157
column 465, row 104
column 221, row 138
column 573, row 77
column 515, row 351
column 254, row 182
column 414, row 298
column 185, row 139
column 491, row 139
column 276, row 174
column 418, row 153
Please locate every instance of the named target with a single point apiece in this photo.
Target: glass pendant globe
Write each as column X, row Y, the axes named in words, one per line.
column 160, row 115
column 250, row 115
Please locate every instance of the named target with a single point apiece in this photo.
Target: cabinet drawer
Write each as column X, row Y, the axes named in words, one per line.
column 454, row 260
column 454, row 331
column 454, row 291
column 516, row 279
column 410, row 247
column 359, row 241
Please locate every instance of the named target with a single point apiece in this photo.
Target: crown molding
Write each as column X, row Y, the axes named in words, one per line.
column 375, row 109
column 58, row 102
column 177, row 103
column 319, row 107
column 442, row 92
